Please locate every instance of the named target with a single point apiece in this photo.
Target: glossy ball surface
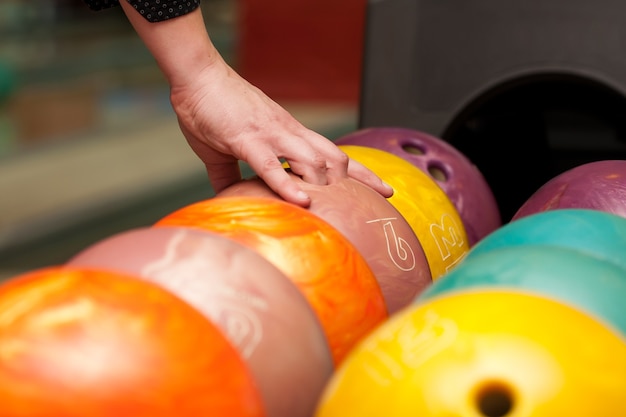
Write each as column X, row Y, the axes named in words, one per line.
column 585, row 282
column 592, row 232
column 461, row 180
column 372, row 224
column 333, row 276
column 599, row 185
column 483, row 354
column 86, row 343
column 423, row 204
column 259, row 310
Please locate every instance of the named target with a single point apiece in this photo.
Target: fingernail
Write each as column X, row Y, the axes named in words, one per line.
column 302, row 196
column 389, row 187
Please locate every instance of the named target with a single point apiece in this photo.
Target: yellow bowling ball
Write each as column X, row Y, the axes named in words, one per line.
column 424, row 205
column 483, row 354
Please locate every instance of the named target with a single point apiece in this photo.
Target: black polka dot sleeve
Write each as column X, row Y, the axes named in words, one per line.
column 152, row 10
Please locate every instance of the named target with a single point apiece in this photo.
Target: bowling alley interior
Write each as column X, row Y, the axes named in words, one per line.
column 89, row 144
column 480, row 287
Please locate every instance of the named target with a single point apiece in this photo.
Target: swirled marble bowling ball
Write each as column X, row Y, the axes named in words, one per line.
column 592, row 232
column 483, row 354
column 259, row 310
column 78, row 342
column 598, row 185
column 586, row 282
column 372, row 224
column 424, row 205
column 333, row 276
column 461, row 180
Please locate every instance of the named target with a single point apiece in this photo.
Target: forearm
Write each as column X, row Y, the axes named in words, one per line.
column 181, row 46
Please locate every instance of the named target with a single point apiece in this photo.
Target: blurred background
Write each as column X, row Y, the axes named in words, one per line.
column 89, row 145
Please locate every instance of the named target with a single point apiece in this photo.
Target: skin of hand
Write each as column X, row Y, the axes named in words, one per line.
column 226, row 119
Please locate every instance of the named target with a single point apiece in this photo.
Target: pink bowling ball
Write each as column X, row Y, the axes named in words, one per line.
column 373, row 226
column 260, row 311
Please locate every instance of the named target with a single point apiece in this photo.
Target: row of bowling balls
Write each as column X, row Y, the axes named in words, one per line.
column 531, row 323
column 249, row 318
column 271, row 345
column 240, row 305
column 598, row 185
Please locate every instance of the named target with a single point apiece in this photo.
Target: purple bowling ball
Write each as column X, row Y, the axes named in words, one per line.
column 598, row 185
column 460, row 179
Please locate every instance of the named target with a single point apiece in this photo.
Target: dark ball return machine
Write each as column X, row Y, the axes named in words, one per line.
column 526, row 90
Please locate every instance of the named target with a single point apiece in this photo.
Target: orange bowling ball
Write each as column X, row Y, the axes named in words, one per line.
column 334, row 277
column 88, row 343
column 372, row 224
column 256, row 306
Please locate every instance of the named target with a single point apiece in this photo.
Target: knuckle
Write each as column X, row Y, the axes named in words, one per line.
column 271, row 163
column 319, row 161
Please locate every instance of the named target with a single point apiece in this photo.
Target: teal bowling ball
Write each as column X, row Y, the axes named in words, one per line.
column 592, row 232
column 587, row 283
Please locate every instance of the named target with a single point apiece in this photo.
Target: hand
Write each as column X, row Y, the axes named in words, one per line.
column 226, row 119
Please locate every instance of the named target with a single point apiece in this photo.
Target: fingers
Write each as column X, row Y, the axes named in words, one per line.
column 223, row 169
column 273, row 173
column 314, row 158
column 268, row 167
column 317, row 161
column 332, row 164
column 322, row 163
column 360, row 173
column 282, row 184
column 223, row 175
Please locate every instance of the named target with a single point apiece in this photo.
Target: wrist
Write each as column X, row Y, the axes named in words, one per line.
column 181, row 46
